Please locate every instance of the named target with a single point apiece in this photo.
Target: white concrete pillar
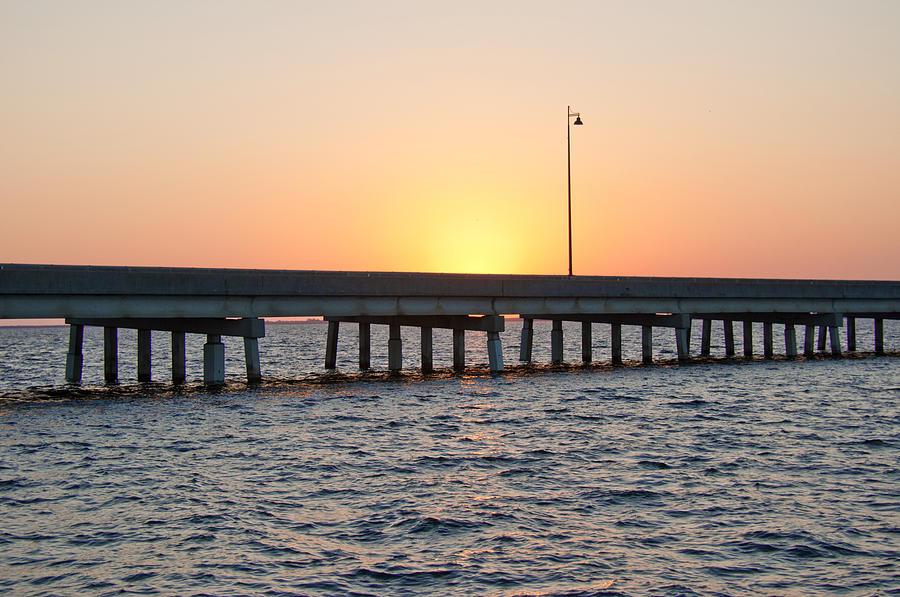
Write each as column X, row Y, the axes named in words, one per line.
column 706, row 338
column 790, row 341
column 213, row 360
column 809, row 341
column 728, row 326
column 75, row 356
column 879, row 336
column 331, row 342
column 365, row 346
column 687, row 341
column 251, row 357
column 851, row 334
column 556, row 342
column 834, row 332
column 395, row 349
column 586, row 342
column 427, row 350
column 748, row 339
column 527, row 341
column 179, row 368
column 822, row 335
column 459, row 349
column 495, row 352
column 647, row 344
column 615, row 337
column 681, row 344
column 111, row 354
column 143, row 355
column 768, row 340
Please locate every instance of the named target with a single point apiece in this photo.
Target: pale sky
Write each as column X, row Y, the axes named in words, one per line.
column 721, row 138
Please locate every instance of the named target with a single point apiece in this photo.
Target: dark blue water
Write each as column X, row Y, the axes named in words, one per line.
column 763, row 477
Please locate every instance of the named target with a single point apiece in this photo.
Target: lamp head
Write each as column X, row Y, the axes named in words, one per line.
column 578, row 121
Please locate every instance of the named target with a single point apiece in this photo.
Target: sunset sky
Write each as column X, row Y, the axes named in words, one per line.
column 721, row 138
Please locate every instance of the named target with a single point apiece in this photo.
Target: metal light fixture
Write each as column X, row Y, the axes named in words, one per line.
column 577, row 117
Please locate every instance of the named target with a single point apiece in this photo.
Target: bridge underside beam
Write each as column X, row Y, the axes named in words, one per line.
column 246, row 327
column 670, row 320
column 825, row 319
column 486, row 323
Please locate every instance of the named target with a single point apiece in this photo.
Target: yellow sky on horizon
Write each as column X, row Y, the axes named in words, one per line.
column 721, row 139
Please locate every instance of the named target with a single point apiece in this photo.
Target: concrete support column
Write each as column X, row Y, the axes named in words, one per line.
column 427, row 350
column 851, row 334
column 459, row 349
column 586, row 342
column 251, row 356
column 495, row 352
column 768, row 340
column 879, row 336
column 790, row 341
column 615, row 334
column 331, row 342
column 365, row 346
column 647, row 344
column 143, row 355
column 706, row 337
column 527, row 341
column 728, row 326
column 834, row 332
column 110, row 354
column 179, row 368
column 687, row 342
column 75, row 356
column 681, row 344
column 395, row 349
column 748, row 339
column 822, row 333
column 213, row 360
column 556, row 342
column 809, row 341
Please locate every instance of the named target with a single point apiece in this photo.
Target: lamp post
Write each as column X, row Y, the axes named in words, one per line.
column 569, row 116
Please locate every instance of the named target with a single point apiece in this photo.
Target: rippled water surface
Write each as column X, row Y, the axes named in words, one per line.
column 725, row 477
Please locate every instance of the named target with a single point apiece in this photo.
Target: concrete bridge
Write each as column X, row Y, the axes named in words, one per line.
column 221, row 302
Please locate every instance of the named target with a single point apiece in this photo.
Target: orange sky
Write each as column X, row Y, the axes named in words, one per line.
column 720, row 139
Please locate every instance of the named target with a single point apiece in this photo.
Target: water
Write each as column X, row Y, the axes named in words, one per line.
column 767, row 477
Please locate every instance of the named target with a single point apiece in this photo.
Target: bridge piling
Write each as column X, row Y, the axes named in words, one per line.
column 395, row 348
column 705, row 337
column 768, row 340
column 748, row 339
column 834, row 333
column 728, row 326
column 615, row 340
column 331, row 343
column 527, row 340
column 790, row 341
column 495, row 352
column 879, row 336
column 682, row 346
column 110, row 354
column 427, row 346
column 586, row 343
column 851, row 334
column 213, row 360
column 144, row 355
column 179, row 369
column 809, row 341
column 75, row 356
column 647, row 344
column 556, row 342
column 459, row 349
column 365, row 346
column 823, row 331
column 251, row 358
